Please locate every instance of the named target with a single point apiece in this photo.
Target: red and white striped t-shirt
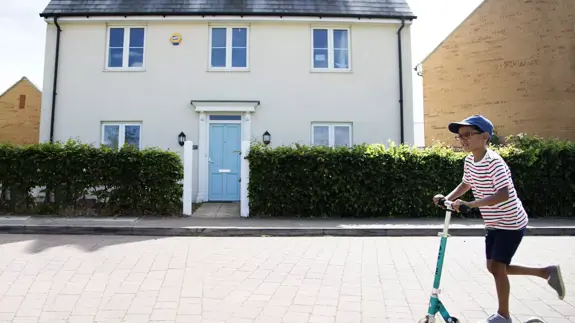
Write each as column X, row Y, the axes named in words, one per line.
column 486, row 177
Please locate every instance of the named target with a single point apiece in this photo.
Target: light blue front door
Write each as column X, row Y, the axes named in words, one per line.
column 224, row 162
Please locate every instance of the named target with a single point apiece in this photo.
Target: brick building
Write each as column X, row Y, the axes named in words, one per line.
column 512, row 61
column 20, row 113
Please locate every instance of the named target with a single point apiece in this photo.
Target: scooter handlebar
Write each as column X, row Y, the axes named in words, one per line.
column 449, row 205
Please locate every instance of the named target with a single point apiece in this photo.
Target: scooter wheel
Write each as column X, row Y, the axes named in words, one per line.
column 423, row 320
column 453, row 320
column 534, row 320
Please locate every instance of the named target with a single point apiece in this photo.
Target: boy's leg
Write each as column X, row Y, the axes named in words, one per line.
column 550, row 273
column 502, row 245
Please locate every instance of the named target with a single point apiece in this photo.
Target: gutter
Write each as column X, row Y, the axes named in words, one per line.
column 55, row 84
column 400, row 61
column 220, row 13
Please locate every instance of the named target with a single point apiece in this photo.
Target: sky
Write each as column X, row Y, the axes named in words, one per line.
column 22, row 40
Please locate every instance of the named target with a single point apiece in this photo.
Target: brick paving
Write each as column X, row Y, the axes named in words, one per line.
column 50, row 278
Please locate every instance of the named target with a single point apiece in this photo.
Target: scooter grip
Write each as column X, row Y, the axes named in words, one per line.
column 462, row 208
column 442, row 202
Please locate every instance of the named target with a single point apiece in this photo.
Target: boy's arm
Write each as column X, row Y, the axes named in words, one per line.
column 461, row 189
column 501, row 195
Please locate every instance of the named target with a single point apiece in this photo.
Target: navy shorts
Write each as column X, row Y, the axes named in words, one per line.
column 501, row 245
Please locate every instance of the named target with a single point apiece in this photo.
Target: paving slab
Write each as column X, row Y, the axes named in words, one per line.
column 93, row 279
column 237, row 226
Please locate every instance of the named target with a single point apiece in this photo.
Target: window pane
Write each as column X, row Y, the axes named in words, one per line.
column 239, row 57
column 111, row 135
column 341, row 135
column 340, row 39
column 136, row 37
column 115, row 58
column 218, row 37
column 239, row 37
column 136, row 58
column 218, row 57
column 222, row 117
column 340, row 58
column 320, row 57
column 320, row 38
column 320, row 135
column 132, row 135
column 116, row 37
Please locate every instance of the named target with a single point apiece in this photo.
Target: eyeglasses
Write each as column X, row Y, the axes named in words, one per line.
column 466, row 135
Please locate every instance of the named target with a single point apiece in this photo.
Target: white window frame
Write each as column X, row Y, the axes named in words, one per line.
column 122, row 132
column 330, row 50
column 126, row 49
column 229, row 35
column 331, row 126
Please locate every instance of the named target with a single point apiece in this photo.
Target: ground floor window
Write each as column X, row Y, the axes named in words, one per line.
column 117, row 134
column 331, row 134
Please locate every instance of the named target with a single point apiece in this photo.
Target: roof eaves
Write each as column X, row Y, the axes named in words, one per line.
column 23, row 78
column 223, row 13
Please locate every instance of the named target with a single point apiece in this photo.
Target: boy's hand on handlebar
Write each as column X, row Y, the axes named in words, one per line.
column 458, row 203
column 438, row 198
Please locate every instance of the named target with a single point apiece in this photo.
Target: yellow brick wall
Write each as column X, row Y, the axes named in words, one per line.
column 20, row 125
column 512, row 61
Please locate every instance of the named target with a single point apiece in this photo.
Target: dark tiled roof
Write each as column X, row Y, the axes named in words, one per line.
column 334, row 8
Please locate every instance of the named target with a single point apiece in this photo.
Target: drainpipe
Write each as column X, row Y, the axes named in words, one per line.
column 54, row 92
column 400, row 80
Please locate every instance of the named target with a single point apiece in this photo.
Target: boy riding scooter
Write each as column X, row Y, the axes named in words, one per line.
column 489, row 177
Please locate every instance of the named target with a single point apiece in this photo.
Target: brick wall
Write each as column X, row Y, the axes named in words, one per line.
column 20, row 114
column 512, row 61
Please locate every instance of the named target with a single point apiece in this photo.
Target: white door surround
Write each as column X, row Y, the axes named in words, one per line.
column 212, row 107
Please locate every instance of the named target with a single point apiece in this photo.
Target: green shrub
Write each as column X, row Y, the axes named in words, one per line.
column 374, row 180
column 121, row 181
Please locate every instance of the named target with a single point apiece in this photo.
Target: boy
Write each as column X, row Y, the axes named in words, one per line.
column 489, row 177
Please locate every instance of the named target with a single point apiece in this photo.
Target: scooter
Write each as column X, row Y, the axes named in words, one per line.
column 435, row 305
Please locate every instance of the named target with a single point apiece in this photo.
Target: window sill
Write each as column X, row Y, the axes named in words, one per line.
column 228, row 69
column 125, row 69
column 331, row 70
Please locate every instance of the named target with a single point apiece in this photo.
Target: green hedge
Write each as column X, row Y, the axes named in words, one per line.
column 124, row 181
column 399, row 181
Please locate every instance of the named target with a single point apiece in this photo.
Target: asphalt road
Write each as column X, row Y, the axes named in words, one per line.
column 73, row 278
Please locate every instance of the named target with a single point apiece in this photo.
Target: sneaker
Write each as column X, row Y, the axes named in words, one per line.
column 555, row 280
column 496, row 318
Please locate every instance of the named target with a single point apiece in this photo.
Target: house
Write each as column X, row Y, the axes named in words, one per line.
column 219, row 72
column 514, row 62
column 20, row 113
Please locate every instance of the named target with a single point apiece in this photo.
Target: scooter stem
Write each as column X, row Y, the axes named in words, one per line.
column 445, row 232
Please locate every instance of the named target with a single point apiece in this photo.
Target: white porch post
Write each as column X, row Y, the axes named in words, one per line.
column 245, row 177
column 203, row 158
column 188, row 172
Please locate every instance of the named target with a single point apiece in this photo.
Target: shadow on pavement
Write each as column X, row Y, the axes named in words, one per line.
column 37, row 243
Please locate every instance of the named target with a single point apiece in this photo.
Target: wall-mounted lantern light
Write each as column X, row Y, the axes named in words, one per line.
column 181, row 138
column 267, row 138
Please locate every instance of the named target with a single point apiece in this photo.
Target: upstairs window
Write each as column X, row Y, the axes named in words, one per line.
column 330, row 49
column 229, row 48
column 126, row 47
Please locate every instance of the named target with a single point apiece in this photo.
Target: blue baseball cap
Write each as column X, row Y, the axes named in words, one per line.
column 477, row 120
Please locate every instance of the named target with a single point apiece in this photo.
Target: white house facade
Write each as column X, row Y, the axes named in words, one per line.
column 328, row 73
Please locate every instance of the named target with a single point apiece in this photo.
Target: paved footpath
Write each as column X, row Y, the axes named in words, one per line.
column 73, row 278
column 256, row 227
